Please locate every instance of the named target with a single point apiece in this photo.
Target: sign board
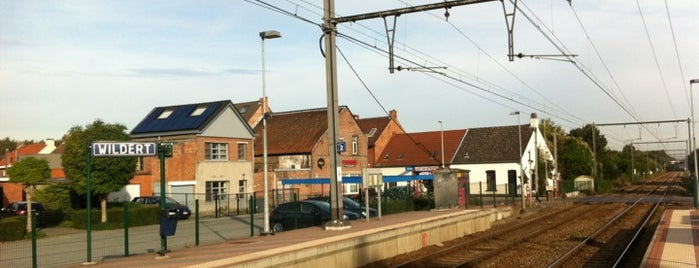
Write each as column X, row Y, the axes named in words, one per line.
column 341, row 147
column 372, row 177
column 109, row 148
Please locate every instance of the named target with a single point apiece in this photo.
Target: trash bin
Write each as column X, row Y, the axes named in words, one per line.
column 168, row 223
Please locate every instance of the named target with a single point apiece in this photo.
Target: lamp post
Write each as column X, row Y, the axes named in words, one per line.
column 694, row 143
column 265, row 35
column 519, row 157
column 441, row 131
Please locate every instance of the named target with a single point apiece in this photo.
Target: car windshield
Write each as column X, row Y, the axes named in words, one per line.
column 171, row 201
column 351, row 203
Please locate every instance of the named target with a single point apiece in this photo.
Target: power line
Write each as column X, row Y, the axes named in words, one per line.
column 655, row 57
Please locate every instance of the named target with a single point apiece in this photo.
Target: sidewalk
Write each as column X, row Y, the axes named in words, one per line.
column 676, row 241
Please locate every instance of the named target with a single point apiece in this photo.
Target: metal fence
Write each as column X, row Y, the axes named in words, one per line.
column 235, row 204
column 57, row 246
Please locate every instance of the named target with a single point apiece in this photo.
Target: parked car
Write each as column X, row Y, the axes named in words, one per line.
column 301, row 214
column 171, row 205
column 351, row 205
column 20, row 209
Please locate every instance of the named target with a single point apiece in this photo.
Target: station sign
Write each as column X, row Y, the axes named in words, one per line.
column 108, row 148
column 341, row 146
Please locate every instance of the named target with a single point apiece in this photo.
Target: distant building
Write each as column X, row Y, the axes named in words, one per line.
column 212, row 154
column 297, row 149
column 12, row 192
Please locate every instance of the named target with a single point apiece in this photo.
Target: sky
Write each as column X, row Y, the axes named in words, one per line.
column 65, row 64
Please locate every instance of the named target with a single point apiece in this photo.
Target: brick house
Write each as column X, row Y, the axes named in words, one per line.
column 297, row 149
column 12, row 192
column 212, row 154
column 379, row 131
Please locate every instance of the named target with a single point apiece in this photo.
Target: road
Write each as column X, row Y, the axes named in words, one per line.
column 70, row 248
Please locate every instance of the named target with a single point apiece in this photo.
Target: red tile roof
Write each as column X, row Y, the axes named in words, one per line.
column 420, row 149
column 294, row 132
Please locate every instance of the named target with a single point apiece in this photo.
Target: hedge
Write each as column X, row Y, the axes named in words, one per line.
column 13, row 228
column 138, row 216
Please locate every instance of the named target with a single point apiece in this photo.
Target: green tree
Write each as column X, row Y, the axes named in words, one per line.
column 585, row 133
column 7, row 145
column 109, row 174
column 30, row 172
column 575, row 159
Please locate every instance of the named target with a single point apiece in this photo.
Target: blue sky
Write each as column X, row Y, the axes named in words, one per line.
column 64, row 64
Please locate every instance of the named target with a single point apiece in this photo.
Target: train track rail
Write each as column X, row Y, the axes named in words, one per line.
column 593, row 234
column 617, row 251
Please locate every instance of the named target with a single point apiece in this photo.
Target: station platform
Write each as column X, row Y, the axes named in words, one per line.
column 676, row 241
column 363, row 243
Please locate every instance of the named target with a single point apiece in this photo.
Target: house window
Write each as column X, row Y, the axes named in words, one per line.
column 216, row 151
column 139, row 164
column 490, row 181
column 242, row 148
column 216, row 189
column 165, row 114
column 355, row 145
column 198, row 111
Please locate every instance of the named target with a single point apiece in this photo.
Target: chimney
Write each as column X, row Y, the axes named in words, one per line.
column 393, row 114
column 533, row 122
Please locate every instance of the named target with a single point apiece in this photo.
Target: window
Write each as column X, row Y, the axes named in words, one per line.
column 400, row 156
column 386, row 156
column 216, row 151
column 216, row 189
column 198, row 111
column 242, row 148
column 244, row 109
column 165, row 114
column 241, row 186
column 355, row 144
column 372, row 132
column 490, row 181
column 139, row 164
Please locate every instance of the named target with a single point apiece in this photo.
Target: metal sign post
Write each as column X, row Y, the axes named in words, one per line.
column 116, row 149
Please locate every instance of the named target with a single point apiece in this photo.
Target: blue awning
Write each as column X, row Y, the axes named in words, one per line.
column 355, row 179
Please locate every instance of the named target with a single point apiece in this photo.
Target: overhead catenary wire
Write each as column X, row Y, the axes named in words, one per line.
column 655, row 57
column 479, row 84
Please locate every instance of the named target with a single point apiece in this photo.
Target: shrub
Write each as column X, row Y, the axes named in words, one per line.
column 13, row 228
column 138, row 216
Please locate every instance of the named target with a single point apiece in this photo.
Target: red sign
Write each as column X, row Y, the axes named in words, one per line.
column 349, row 162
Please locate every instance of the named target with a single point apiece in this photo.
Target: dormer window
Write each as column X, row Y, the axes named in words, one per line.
column 198, row 111
column 165, row 114
column 372, row 132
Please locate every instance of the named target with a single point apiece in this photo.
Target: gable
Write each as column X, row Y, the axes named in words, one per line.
column 227, row 125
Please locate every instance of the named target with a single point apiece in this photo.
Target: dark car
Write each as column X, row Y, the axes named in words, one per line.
column 20, row 209
column 301, row 214
column 171, row 205
column 351, row 205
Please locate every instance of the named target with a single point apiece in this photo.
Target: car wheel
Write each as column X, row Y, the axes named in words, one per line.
column 277, row 227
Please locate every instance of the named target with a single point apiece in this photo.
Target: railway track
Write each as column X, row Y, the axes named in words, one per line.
column 598, row 233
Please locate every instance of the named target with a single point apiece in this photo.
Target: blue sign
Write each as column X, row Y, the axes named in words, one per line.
column 124, row 148
column 341, row 147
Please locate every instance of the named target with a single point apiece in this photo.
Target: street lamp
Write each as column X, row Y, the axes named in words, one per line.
column 521, row 172
column 265, row 35
column 694, row 143
column 441, row 131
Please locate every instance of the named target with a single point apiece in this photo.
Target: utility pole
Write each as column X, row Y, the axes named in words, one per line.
column 330, row 34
